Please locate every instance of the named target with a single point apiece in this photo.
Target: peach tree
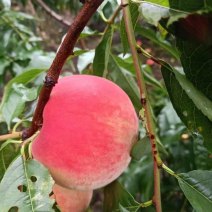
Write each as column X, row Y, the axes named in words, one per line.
column 171, row 160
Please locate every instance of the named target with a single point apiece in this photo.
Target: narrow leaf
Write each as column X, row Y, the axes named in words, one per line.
column 151, row 34
column 7, row 155
column 134, row 16
column 129, row 66
column 199, row 99
column 88, row 32
column 122, row 209
column 125, row 81
column 115, row 195
column 102, row 53
column 197, row 187
column 190, row 115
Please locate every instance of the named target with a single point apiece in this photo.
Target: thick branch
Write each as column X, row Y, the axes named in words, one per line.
column 64, row 52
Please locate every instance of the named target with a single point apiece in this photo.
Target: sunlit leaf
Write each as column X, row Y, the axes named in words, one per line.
column 15, row 103
column 26, row 185
column 88, row 32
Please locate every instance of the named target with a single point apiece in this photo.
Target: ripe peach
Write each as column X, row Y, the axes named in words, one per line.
column 71, row 200
column 89, row 128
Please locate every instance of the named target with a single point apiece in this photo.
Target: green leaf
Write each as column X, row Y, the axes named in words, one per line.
column 125, row 81
column 77, row 52
column 88, row 32
column 15, row 103
column 193, row 41
column 122, row 209
column 114, row 195
column 134, row 16
column 7, row 155
column 189, row 5
column 35, row 184
column 138, row 178
column 3, row 64
column 153, row 13
column 151, row 34
column 202, row 157
column 36, row 67
column 102, row 53
column 197, row 63
column 10, row 141
column 84, row 60
column 191, row 116
column 200, row 100
column 128, row 65
column 197, row 187
column 141, row 148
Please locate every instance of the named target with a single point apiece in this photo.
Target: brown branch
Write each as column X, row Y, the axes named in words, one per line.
column 60, row 19
column 64, row 52
column 53, row 14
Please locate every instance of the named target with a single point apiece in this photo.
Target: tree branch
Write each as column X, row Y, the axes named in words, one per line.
column 53, row 14
column 14, row 135
column 64, row 52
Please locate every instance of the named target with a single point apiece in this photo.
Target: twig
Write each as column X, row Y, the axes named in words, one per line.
column 14, row 135
column 53, row 14
column 59, row 18
column 157, row 163
column 64, row 52
column 112, row 19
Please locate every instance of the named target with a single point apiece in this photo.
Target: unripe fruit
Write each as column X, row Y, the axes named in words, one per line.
column 71, row 200
column 89, row 128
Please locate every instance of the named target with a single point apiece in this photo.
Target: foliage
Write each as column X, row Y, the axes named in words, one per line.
column 181, row 101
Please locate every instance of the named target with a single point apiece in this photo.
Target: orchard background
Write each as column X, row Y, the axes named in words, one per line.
column 174, row 48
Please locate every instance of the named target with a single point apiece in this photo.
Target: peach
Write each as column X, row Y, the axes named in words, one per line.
column 71, row 200
column 150, row 62
column 89, row 128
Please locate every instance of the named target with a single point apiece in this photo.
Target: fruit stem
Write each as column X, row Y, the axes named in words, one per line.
column 13, row 135
column 168, row 170
column 157, row 162
column 28, row 141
